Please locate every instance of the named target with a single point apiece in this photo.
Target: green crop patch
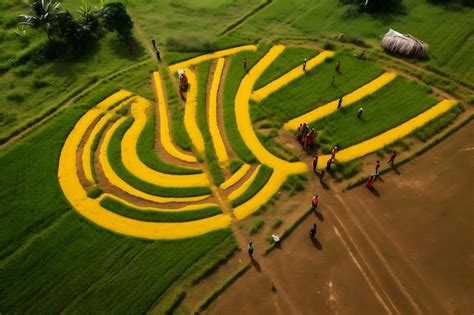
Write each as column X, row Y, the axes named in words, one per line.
column 114, row 155
column 131, row 212
column 146, row 151
column 316, row 88
column 235, row 74
column 290, row 58
column 263, row 175
column 387, row 108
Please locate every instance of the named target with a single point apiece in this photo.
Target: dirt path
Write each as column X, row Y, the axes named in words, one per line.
column 405, row 249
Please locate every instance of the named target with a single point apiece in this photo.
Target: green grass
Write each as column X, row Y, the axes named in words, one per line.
column 276, row 223
column 148, row 155
column 438, row 124
column 235, row 165
column 30, row 198
column 256, row 226
column 235, row 74
column 53, row 260
column 176, row 110
column 125, row 210
column 315, row 88
column 263, row 176
column 211, row 158
column 114, row 156
column 290, row 58
column 74, row 266
column 450, row 48
column 392, row 105
column 94, row 192
column 294, row 184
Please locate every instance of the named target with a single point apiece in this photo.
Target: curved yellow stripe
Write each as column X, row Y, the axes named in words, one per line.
column 390, row 136
column 86, row 153
column 348, row 99
column 190, row 112
column 239, row 191
column 244, row 123
column 91, row 209
column 166, row 141
column 281, row 168
column 151, row 209
column 214, row 55
column 264, row 195
column 277, row 84
column 234, row 179
column 213, row 124
column 118, row 182
column 133, row 163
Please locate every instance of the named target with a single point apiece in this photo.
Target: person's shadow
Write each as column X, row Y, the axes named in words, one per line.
column 319, row 215
column 316, row 243
column 374, row 191
column 255, row 264
column 395, row 169
column 323, row 183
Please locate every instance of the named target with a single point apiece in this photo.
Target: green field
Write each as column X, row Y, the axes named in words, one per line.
column 53, row 260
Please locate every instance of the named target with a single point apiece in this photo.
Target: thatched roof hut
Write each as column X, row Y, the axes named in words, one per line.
column 404, row 44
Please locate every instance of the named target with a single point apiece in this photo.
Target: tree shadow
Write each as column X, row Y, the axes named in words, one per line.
column 316, row 243
column 120, row 48
column 255, row 264
column 374, row 191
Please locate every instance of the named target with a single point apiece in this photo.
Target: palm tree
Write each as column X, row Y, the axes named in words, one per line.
column 43, row 12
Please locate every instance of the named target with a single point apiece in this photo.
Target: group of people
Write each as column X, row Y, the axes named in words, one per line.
column 373, row 177
column 305, row 136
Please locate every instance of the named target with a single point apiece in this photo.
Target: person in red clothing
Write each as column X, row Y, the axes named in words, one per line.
column 245, row 63
column 309, row 140
column 338, row 66
column 315, row 162
column 314, row 202
column 304, row 64
column 392, row 157
column 370, row 181
column 377, row 166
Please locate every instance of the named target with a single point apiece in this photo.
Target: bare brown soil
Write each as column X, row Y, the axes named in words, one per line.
column 405, row 248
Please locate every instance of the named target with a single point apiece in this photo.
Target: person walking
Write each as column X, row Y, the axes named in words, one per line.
column 392, row 158
column 153, row 42
column 298, row 132
column 359, row 112
column 370, row 181
column 328, row 165
column 377, row 166
column 304, row 64
column 338, row 66
column 245, row 63
column 312, row 232
column 314, row 202
column 250, row 249
column 333, row 153
column 339, row 103
column 309, row 140
column 315, row 162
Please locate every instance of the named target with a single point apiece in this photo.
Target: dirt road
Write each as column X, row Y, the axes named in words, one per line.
column 406, row 248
